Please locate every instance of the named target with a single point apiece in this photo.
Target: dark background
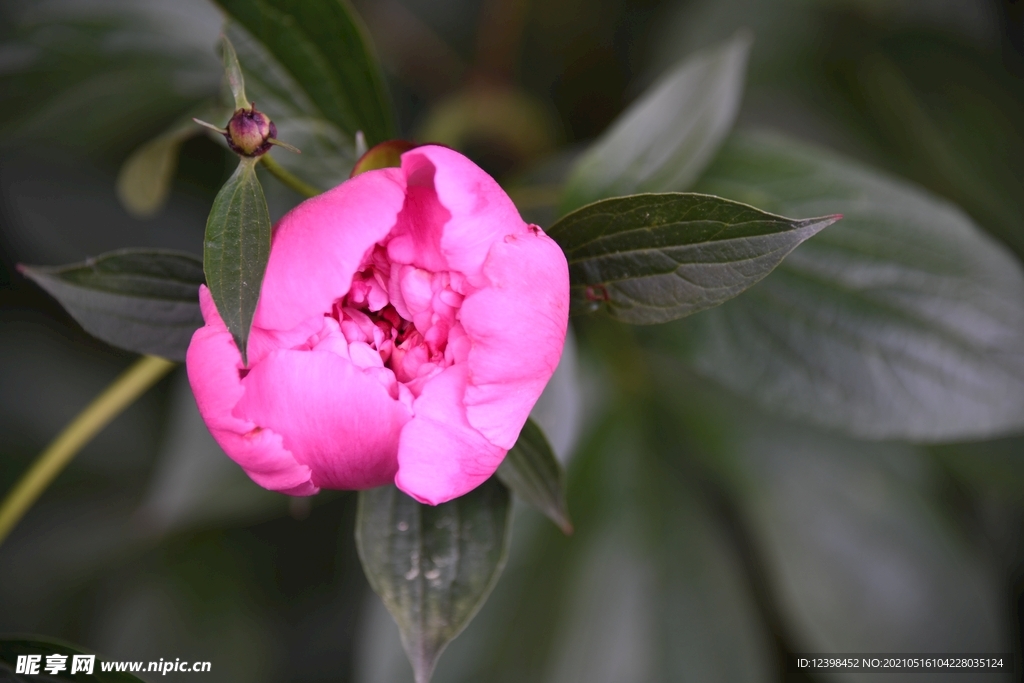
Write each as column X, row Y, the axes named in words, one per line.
column 152, row 544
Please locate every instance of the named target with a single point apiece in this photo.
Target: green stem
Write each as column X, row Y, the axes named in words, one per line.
column 285, row 176
column 131, row 384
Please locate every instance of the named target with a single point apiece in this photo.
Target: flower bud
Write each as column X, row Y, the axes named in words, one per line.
column 250, row 132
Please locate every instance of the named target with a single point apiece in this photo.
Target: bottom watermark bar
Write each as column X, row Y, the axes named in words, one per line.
column 35, row 665
column 929, row 662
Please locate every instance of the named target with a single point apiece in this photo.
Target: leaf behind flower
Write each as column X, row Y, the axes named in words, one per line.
column 666, row 138
column 532, row 471
column 652, row 258
column 904, row 321
column 141, row 300
column 433, row 566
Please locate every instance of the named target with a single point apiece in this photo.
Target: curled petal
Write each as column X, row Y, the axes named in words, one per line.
column 318, row 246
column 334, row 418
column 441, row 456
column 528, row 293
column 264, row 458
column 455, row 213
column 214, row 367
column 416, row 239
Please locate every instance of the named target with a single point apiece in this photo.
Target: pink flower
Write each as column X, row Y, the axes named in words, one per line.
column 409, row 320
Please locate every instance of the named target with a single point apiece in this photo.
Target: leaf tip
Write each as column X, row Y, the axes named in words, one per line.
column 423, row 665
column 242, row 344
column 818, row 224
column 285, row 145
column 826, row 221
column 204, row 124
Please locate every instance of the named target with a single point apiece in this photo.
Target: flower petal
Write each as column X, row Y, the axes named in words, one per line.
column 416, row 239
column 474, row 211
column 440, row 455
column 334, row 418
column 516, row 328
column 318, row 246
column 264, row 458
column 214, row 366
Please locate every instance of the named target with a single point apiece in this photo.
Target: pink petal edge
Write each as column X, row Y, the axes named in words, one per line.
column 529, row 293
column 213, row 365
column 440, row 455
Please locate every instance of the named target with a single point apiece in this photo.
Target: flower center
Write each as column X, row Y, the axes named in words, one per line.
column 405, row 314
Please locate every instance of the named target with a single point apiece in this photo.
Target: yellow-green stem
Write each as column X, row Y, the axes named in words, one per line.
column 282, row 174
column 131, row 384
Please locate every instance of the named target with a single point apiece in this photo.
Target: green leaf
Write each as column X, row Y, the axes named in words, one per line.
column 904, row 321
column 145, row 301
column 237, row 247
column 533, row 472
column 667, row 137
column 233, row 72
column 658, row 257
column 325, row 49
column 145, row 178
column 433, row 566
column 11, row 647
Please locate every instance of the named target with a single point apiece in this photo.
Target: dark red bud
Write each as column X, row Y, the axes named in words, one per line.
column 249, row 132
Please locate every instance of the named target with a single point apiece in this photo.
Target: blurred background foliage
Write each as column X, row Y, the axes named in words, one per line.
column 714, row 534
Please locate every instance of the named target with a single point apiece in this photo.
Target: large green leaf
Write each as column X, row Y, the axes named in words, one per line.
column 860, row 552
column 667, row 137
column 145, row 301
column 433, row 566
column 533, row 472
column 12, row 647
column 661, row 593
column 904, row 321
column 324, row 48
column 236, row 249
column 658, row 257
column 854, row 545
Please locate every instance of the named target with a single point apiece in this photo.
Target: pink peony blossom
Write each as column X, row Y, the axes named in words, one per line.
column 409, row 320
